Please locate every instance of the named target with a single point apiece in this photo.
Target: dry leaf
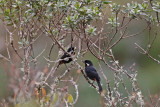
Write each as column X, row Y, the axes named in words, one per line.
column 103, row 93
column 79, row 71
column 43, row 92
column 45, row 70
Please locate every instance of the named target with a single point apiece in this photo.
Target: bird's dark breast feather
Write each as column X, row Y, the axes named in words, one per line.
column 92, row 73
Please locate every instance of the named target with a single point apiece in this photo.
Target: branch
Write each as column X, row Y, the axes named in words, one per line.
column 146, row 53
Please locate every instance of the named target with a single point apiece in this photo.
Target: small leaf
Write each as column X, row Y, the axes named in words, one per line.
column 55, row 99
column 68, row 18
column 43, row 92
column 103, row 93
column 107, row 2
column 20, row 43
column 79, row 71
column 47, row 99
column 70, row 98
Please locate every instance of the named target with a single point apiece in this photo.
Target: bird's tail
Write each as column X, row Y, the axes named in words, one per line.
column 100, row 86
column 58, row 65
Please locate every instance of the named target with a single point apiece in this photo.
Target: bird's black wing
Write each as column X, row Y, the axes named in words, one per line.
column 91, row 68
column 92, row 73
column 65, row 56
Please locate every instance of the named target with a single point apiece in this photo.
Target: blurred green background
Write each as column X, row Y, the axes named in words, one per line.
column 125, row 52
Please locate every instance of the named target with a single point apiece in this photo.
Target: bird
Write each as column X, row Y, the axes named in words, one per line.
column 66, row 57
column 92, row 73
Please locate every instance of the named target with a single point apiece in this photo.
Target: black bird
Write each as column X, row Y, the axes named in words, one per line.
column 66, row 57
column 92, row 73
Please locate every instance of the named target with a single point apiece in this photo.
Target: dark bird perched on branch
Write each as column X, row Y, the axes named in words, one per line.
column 92, row 73
column 67, row 56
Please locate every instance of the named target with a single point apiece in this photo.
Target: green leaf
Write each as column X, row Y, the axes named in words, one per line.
column 68, row 18
column 70, row 98
column 107, row 2
column 7, row 10
column 55, row 99
column 77, row 5
column 47, row 98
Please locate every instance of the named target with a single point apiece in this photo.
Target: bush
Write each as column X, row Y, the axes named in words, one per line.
column 92, row 26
